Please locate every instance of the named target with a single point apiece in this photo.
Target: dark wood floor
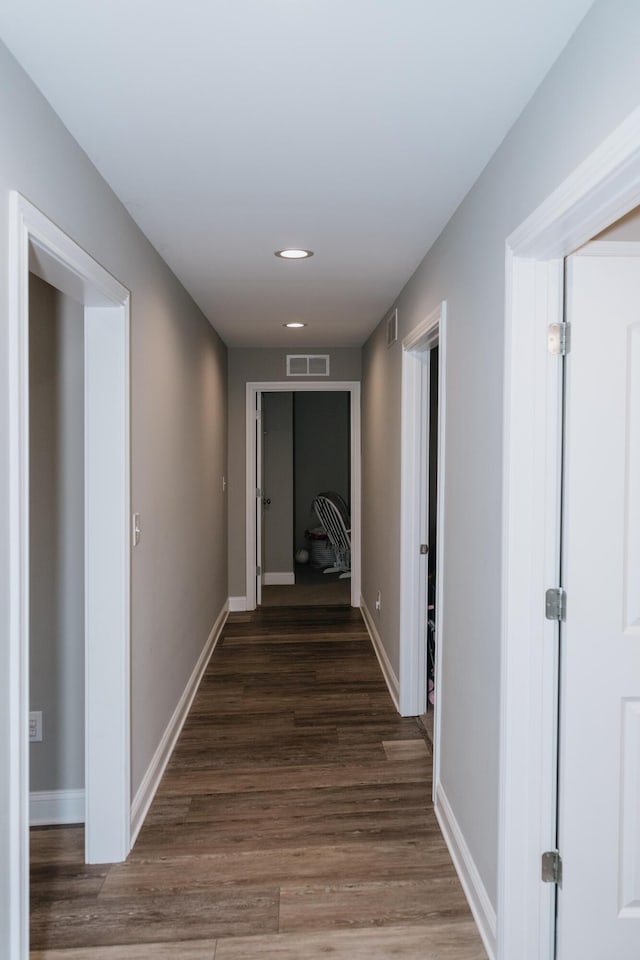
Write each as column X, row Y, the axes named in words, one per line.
column 294, row 821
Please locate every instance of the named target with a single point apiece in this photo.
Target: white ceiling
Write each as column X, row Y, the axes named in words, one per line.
column 233, row 128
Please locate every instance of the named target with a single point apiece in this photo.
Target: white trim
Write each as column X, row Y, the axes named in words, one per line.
column 282, row 386
column 237, row 604
column 474, row 889
column 388, row 672
column 107, row 583
column 36, row 244
column 413, row 667
column 603, row 188
column 151, row 780
column 49, row 807
column 278, row 579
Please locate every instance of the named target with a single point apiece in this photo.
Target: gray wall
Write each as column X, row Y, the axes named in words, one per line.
column 574, row 109
column 178, row 427
column 251, row 366
column 321, row 431
column 56, row 533
column 277, row 451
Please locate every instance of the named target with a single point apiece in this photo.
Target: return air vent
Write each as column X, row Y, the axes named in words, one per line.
column 307, row 365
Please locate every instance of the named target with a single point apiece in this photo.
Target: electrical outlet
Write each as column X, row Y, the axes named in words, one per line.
column 35, row 726
column 378, row 601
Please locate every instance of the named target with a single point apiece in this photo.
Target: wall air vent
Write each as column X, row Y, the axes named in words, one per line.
column 307, row 365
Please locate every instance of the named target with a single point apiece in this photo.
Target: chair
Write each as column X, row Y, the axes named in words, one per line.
column 333, row 514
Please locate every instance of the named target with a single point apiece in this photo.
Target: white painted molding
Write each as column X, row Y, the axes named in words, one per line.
column 237, row 604
column 49, row 807
column 278, row 579
column 482, row 909
column 603, row 188
column 388, row 672
column 431, row 331
column 151, row 780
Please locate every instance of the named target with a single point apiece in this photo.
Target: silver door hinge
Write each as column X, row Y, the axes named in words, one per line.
column 552, row 867
column 559, row 338
column 424, row 549
column 555, row 602
column 258, row 571
column 258, row 492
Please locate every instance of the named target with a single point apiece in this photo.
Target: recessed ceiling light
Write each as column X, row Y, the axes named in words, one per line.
column 294, row 325
column 293, row 253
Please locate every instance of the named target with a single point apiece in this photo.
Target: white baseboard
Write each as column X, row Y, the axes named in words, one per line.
column 48, row 807
column 151, row 780
column 237, row 604
column 278, row 579
column 385, row 664
column 482, row 909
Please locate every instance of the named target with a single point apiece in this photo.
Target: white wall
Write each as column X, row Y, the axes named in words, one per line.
column 56, row 536
column 178, row 425
column 591, row 89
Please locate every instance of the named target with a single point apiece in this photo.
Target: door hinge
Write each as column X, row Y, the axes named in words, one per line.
column 258, row 571
column 559, row 338
column 258, row 492
column 424, row 549
column 552, row 867
column 556, row 603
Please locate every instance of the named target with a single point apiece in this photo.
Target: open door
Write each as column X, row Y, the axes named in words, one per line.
column 599, row 762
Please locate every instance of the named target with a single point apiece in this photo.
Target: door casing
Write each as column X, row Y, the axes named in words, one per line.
column 351, row 387
column 601, row 190
column 39, row 246
column 415, row 461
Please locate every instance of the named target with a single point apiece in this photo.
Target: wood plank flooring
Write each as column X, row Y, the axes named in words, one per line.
column 294, row 821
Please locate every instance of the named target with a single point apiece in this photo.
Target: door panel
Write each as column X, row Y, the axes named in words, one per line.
column 599, row 789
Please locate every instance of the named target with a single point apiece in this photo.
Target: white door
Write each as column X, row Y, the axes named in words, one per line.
column 599, row 785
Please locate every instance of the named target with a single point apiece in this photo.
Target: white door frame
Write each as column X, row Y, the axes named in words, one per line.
column 37, row 245
column 351, row 387
column 601, row 190
column 414, row 505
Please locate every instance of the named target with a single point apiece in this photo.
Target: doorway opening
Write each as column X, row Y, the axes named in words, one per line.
column 254, row 481
column 39, row 248
column 305, row 453
column 423, row 487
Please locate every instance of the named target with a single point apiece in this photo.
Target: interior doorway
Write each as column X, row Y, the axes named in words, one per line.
column 255, row 481
column 38, row 247
column 423, row 438
column 601, row 190
column 306, row 452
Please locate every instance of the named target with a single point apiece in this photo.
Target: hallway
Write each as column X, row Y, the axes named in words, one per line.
column 294, row 821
